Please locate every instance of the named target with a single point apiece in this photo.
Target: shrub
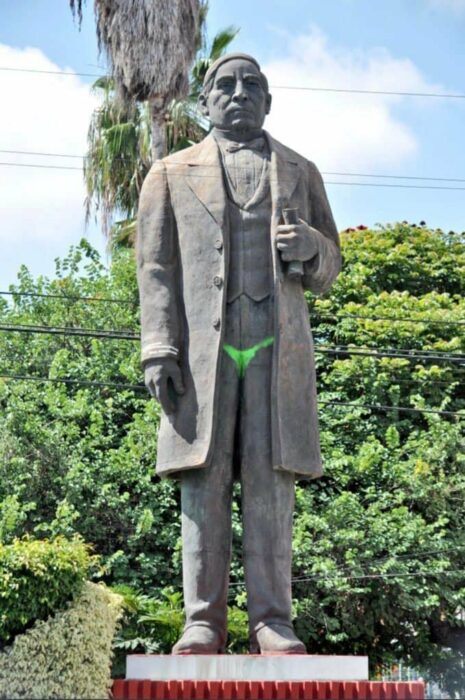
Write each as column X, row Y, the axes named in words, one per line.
column 66, row 656
column 38, row 578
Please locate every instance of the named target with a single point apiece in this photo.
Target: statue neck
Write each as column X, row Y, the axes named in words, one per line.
column 237, row 135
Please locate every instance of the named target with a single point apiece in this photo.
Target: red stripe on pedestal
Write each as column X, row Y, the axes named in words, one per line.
column 266, row 690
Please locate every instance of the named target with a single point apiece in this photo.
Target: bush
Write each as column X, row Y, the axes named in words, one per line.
column 67, row 656
column 38, row 578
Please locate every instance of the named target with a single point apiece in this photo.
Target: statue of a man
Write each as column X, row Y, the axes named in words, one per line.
column 227, row 348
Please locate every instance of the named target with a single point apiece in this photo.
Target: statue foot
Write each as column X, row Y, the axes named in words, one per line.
column 279, row 639
column 199, row 640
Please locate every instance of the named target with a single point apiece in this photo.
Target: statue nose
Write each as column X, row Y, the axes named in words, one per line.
column 240, row 95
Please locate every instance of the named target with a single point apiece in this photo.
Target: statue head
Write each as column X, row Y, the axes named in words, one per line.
column 235, row 96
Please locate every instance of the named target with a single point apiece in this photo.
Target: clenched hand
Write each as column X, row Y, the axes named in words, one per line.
column 297, row 242
column 163, row 379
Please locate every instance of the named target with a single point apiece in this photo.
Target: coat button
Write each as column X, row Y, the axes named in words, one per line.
column 216, row 323
column 218, row 244
column 217, row 281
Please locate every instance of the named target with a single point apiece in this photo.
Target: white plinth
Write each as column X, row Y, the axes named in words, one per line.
column 225, row 667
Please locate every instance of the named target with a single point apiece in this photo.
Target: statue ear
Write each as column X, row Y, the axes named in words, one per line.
column 202, row 104
column 268, row 103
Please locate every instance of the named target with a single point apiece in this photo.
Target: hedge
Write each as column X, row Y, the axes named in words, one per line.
column 39, row 578
column 68, row 655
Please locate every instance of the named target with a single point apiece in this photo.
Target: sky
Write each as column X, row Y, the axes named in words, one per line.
column 406, row 46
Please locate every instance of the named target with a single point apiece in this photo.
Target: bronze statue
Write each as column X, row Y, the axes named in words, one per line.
column 227, row 347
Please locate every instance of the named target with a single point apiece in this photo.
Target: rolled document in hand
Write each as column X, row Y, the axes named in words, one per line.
column 295, row 268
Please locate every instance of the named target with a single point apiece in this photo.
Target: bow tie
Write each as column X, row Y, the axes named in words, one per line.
column 257, row 145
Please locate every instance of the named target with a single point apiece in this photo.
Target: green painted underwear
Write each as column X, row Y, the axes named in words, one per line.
column 242, row 358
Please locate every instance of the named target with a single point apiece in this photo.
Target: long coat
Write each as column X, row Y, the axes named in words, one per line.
column 182, row 251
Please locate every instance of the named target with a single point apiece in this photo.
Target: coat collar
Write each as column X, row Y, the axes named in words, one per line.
column 205, row 176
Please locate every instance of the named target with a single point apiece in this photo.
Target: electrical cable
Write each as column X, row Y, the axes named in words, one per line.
column 318, row 315
column 327, row 182
column 416, row 354
column 274, row 87
column 330, row 173
column 141, row 387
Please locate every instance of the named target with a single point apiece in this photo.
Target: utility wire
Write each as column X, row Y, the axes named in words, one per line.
column 67, row 297
column 330, row 173
column 274, row 87
column 319, row 347
column 357, row 577
column 318, row 315
column 327, row 182
column 340, row 570
column 70, row 331
column 141, row 387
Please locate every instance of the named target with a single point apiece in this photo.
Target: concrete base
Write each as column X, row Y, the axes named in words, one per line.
column 228, row 667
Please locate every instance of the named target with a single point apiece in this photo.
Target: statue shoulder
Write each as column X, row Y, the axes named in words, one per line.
column 187, row 155
column 291, row 155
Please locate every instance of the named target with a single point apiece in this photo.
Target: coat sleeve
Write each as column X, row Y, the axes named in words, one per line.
column 321, row 271
column 158, row 269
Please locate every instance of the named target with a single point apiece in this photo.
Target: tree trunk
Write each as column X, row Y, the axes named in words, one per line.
column 157, row 112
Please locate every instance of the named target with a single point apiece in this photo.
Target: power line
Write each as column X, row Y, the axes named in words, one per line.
column 79, row 382
column 319, row 348
column 141, row 387
column 274, row 87
column 333, row 349
column 70, row 331
column 50, row 72
column 383, row 353
column 402, row 409
column 66, row 297
column 42, row 166
column 313, row 312
column 340, row 570
column 327, row 182
column 400, row 319
column 330, row 173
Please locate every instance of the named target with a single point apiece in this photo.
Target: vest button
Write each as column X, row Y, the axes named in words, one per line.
column 218, row 244
column 217, row 281
column 216, row 323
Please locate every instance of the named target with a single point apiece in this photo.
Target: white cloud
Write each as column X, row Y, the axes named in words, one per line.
column 342, row 131
column 48, row 113
column 457, row 7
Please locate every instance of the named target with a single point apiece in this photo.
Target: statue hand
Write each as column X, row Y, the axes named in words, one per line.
column 297, row 241
column 163, row 379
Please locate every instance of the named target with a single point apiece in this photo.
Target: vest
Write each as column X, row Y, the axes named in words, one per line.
column 250, row 262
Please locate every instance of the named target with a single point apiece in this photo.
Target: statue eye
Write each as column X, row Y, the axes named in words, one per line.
column 225, row 84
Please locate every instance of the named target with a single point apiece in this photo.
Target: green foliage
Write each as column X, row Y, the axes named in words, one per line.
column 152, row 625
column 66, row 656
column 80, row 458
column 37, row 578
column 378, row 540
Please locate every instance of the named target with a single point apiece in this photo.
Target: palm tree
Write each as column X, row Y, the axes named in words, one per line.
column 149, row 45
column 119, row 154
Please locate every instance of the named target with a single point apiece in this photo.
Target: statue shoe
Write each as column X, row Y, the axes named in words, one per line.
column 199, row 639
column 279, row 639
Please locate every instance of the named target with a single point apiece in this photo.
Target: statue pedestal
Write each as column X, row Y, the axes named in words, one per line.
column 230, row 667
column 230, row 677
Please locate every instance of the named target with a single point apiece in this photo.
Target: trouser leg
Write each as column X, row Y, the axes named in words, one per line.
column 206, row 516
column 267, row 495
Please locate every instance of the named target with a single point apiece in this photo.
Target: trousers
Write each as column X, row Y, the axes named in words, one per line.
column 242, row 450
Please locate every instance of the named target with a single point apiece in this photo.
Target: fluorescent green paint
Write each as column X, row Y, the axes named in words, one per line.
column 243, row 358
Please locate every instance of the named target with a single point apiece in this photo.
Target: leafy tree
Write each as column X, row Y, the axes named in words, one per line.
column 379, row 542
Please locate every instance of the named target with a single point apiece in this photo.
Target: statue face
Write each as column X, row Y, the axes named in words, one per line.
column 237, row 101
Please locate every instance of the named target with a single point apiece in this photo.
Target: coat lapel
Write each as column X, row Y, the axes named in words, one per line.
column 205, row 179
column 285, row 175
